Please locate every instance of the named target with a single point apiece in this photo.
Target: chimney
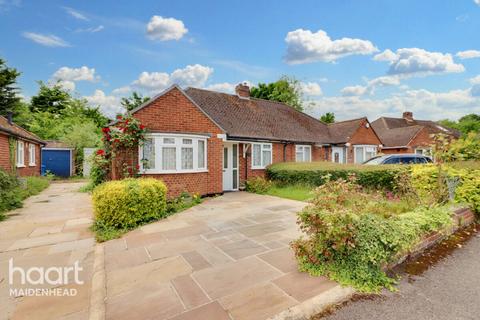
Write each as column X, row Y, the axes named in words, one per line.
column 10, row 117
column 243, row 90
column 408, row 115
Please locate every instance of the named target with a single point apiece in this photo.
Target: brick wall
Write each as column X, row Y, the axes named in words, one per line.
column 363, row 135
column 173, row 112
column 422, row 139
column 4, row 153
column 21, row 171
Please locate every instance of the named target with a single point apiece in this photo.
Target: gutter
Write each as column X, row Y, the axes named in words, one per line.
column 15, row 134
column 398, row 147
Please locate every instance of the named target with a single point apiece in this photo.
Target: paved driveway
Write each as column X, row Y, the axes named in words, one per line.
column 228, row 258
column 50, row 231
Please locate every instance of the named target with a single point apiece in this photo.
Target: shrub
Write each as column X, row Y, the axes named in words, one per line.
column 182, row 202
column 350, row 243
column 130, row 202
column 317, row 173
column 430, row 180
column 9, row 195
column 34, row 185
column 257, row 185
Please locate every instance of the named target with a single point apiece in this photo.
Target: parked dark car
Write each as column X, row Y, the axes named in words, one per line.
column 407, row 158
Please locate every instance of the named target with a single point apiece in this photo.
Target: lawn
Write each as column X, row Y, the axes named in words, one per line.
column 295, row 192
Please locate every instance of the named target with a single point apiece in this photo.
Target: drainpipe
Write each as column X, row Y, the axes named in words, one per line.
column 285, row 152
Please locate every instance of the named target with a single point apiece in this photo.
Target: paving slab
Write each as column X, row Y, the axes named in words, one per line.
column 227, row 258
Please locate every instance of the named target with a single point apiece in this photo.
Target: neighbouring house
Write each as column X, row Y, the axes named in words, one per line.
column 353, row 141
column 58, row 158
column 19, row 149
column 409, row 135
column 209, row 142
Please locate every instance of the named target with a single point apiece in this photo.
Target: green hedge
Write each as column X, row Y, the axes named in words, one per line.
column 317, row 173
column 127, row 203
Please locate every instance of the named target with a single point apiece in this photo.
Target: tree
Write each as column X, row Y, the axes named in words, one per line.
column 9, row 98
column 328, row 117
column 53, row 99
column 286, row 90
column 466, row 124
column 135, row 100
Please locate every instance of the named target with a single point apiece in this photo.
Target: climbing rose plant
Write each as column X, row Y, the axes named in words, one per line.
column 126, row 133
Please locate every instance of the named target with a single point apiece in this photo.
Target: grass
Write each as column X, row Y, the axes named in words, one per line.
column 294, row 192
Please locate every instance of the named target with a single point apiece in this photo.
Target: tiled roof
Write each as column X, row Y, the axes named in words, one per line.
column 341, row 132
column 399, row 132
column 258, row 118
column 15, row 130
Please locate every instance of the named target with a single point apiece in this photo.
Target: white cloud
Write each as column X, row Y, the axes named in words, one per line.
column 152, row 80
column 122, row 90
column 311, row 89
column 475, row 80
column 65, row 84
column 477, row 2
column 408, row 62
column 354, row 91
column 109, row 105
column 76, row 74
column 468, row 54
column 74, row 13
column 48, row 40
column 91, row 29
column 165, row 29
column 304, row 46
column 423, row 103
column 192, row 75
column 371, row 86
column 222, row 87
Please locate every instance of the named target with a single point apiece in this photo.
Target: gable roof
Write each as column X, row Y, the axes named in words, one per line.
column 384, row 124
column 259, row 119
column 342, row 131
column 400, row 137
column 17, row 131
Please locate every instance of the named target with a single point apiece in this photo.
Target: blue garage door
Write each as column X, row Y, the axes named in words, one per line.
column 57, row 162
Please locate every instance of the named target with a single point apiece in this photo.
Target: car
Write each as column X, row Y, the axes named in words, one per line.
column 407, row 158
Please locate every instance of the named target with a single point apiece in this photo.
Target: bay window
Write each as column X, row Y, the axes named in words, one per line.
column 363, row 153
column 261, row 155
column 171, row 153
column 303, row 153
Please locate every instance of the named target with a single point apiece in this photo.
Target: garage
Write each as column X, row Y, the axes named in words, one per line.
column 57, row 159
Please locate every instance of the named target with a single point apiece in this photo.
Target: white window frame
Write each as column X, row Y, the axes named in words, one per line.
column 20, row 154
column 263, row 147
column 303, row 149
column 31, row 155
column 178, row 144
column 364, row 146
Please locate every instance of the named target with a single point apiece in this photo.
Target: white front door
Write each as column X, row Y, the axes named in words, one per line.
column 338, row 154
column 230, row 166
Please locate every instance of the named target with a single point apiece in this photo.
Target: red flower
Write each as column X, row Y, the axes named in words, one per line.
column 138, row 167
column 119, row 117
column 126, row 121
column 106, row 130
column 142, row 127
column 101, row 152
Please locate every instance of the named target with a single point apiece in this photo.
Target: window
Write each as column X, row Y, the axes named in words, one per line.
column 261, row 155
column 303, row 153
column 364, row 153
column 170, row 153
column 31, row 154
column 20, row 154
column 424, row 151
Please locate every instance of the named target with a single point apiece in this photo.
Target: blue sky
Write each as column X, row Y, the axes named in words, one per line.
column 353, row 58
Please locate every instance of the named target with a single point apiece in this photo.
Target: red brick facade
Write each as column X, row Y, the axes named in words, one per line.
column 173, row 112
column 364, row 135
column 157, row 117
column 421, row 140
column 27, row 170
